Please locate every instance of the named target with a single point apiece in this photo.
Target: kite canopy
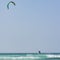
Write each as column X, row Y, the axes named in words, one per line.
column 9, row 4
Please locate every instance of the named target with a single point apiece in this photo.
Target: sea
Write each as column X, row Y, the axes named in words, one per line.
column 29, row 56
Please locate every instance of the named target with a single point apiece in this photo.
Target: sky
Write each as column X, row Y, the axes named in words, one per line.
column 30, row 26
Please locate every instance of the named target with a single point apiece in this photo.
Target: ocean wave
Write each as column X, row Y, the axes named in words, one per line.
column 53, row 56
column 15, row 58
column 28, row 57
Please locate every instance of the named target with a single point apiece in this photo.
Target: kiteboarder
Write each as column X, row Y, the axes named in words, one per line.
column 39, row 52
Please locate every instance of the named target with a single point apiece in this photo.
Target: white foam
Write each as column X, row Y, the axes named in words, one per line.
column 53, row 56
column 14, row 58
column 28, row 57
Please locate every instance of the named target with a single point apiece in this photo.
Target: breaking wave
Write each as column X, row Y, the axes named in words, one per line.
column 29, row 56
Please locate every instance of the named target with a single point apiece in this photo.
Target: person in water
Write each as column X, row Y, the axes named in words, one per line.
column 39, row 52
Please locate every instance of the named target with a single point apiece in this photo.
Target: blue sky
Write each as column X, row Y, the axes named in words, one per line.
column 30, row 26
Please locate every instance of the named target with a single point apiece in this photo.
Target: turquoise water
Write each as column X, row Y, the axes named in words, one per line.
column 29, row 56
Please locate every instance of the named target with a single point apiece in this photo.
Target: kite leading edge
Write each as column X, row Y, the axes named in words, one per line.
column 10, row 3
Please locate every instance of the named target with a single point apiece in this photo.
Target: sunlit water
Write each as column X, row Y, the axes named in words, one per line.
column 29, row 56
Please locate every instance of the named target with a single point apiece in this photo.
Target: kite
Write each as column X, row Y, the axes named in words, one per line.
column 10, row 3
